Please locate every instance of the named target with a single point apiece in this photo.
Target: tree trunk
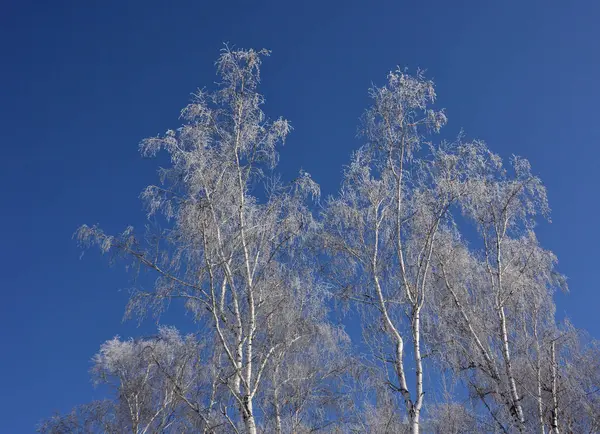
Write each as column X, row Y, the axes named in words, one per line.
column 540, row 403
column 517, row 409
column 418, row 371
column 554, row 392
column 249, row 421
column 278, row 428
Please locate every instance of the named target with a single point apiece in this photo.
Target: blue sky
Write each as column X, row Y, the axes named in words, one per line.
column 82, row 82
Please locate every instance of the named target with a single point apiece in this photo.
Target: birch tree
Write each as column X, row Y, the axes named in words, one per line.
column 574, row 381
column 306, row 387
column 229, row 248
column 453, row 418
column 503, row 210
column 95, row 417
column 494, row 305
column 381, row 230
column 396, row 240
column 304, row 390
column 158, row 384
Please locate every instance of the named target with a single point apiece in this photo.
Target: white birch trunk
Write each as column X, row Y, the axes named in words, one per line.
column 555, row 429
column 514, row 394
column 415, row 423
column 538, row 373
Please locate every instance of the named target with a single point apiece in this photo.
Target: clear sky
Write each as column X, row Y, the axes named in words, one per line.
column 82, row 82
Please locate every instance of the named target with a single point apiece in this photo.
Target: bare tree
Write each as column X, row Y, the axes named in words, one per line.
column 499, row 208
column 398, row 235
column 227, row 253
column 160, row 384
column 452, row 418
column 95, row 417
column 304, row 390
column 574, row 382
column 381, row 230
column 494, row 304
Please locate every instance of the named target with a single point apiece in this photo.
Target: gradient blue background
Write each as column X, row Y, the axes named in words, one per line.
column 82, row 82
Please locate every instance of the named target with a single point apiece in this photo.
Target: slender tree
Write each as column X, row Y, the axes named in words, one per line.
column 494, row 304
column 229, row 254
column 574, row 382
column 158, row 384
column 381, row 230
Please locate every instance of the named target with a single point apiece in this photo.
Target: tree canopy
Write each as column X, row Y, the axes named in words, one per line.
column 429, row 247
